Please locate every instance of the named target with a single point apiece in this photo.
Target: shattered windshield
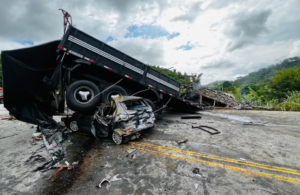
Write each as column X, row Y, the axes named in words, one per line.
column 133, row 104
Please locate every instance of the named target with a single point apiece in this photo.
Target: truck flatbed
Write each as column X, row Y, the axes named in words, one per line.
column 84, row 46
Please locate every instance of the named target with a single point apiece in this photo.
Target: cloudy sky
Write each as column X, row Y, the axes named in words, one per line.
column 222, row 39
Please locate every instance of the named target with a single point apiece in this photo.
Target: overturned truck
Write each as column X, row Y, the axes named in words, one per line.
column 83, row 73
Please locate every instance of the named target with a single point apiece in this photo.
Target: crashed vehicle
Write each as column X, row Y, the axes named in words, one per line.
column 83, row 73
column 125, row 118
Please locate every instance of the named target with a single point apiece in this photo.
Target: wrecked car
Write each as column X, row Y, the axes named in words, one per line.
column 123, row 119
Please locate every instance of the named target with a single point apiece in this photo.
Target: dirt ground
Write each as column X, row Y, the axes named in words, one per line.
column 242, row 159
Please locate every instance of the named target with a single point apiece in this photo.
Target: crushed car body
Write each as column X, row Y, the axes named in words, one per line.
column 126, row 117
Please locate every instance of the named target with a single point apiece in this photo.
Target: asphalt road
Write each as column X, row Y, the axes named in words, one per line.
column 242, row 159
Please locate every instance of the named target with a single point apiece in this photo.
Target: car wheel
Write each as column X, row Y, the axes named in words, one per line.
column 74, row 126
column 82, row 95
column 115, row 90
column 1, row 101
column 117, row 138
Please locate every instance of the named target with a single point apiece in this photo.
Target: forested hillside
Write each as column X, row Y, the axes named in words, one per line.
column 269, row 72
column 277, row 85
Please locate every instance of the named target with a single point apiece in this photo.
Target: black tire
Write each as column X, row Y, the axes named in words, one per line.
column 71, row 123
column 85, row 102
column 158, row 114
column 150, row 103
column 1, row 101
column 117, row 138
column 115, row 90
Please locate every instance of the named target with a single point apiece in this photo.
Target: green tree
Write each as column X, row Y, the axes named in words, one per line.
column 227, row 84
column 287, row 80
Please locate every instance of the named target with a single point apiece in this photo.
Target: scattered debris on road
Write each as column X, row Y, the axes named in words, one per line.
column 103, row 182
column 131, row 155
column 191, row 117
column 114, row 178
column 257, row 123
column 206, row 129
column 61, row 167
column 181, row 141
column 196, row 170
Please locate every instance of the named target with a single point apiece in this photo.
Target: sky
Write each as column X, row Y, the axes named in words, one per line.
column 223, row 39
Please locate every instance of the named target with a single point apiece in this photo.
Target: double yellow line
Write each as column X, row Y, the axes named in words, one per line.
column 169, row 152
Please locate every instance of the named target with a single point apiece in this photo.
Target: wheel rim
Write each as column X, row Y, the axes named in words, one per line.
column 84, row 94
column 117, row 138
column 74, row 126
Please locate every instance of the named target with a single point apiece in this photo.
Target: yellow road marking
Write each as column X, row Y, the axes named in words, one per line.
column 245, row 172
column 212, row 157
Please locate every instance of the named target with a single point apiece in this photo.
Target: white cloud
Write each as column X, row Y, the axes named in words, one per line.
column 296, row 49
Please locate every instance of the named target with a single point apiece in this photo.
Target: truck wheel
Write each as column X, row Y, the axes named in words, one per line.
column 115, row 90
column 151, row 104
column 82, row 96
column 158, row 115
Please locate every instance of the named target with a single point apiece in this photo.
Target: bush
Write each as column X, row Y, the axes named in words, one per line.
column 291, row 103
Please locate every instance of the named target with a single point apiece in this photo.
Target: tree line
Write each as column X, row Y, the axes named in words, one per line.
column 277, row 86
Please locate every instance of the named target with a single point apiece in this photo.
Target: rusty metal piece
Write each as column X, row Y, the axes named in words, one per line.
column 66, row 16
column 61, row 168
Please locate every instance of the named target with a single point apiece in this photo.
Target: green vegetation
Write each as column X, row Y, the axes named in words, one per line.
column 291, row 103
column 183, row 78
column 188, row 80
column 277, row 86
column 269, row 72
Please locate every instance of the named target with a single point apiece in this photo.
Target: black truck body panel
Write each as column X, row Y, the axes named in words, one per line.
column 87, row 47
column 26, row 96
